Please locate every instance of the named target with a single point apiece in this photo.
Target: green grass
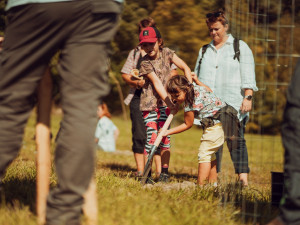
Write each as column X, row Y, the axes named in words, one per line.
column 122, row 200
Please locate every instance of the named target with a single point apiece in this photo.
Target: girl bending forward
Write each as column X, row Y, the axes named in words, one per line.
column 201, row 105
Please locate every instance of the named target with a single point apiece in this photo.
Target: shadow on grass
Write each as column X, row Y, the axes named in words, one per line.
column 19, row 193
column 124, row 169
column 183, row 176
column 254, row 207
column 119, row 167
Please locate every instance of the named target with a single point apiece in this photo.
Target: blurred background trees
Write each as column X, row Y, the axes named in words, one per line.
column 270, row 27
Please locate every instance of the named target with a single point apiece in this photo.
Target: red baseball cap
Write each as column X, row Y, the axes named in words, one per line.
column 149, row 34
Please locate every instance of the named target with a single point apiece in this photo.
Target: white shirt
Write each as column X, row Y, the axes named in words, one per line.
column 105, row 133
column 227, row 77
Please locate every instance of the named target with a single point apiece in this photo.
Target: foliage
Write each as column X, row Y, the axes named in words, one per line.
column 270, row 29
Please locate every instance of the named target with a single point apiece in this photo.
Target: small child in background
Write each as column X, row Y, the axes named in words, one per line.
column 106, row 133
column 201, row 105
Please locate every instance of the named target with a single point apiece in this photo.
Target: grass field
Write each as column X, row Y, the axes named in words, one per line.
column 122, row 200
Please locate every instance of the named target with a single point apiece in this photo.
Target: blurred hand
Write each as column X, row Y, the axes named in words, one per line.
column 169, row 103
column 141, row 83
column 246, row 106
column 208, row 88
column 164, row 134
column 194, row 77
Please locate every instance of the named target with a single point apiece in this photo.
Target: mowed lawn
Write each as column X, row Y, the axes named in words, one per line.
column 122, row 200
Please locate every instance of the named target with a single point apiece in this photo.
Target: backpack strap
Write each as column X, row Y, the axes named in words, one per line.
column 204, row 48
column 138, row 65
column 135, row 51
column 236, row 47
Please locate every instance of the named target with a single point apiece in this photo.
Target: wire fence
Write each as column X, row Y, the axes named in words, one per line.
column 270, row 28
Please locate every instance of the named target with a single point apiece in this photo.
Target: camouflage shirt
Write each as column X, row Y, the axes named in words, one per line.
column 161, row 66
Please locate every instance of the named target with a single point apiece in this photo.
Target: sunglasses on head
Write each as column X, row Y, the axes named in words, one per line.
column 216, row 14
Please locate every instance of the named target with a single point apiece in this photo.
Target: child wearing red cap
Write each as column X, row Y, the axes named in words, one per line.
column 155, row 103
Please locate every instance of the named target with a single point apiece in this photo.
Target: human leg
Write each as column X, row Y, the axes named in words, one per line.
column 290, row 209
column 164, row 146
column 203, row 172
column 138, row 134
column 211, row 140
column 157, row 160
column 150, row 122
column 140, row 164
column 84, row 72
column 26, row 53
column 239, row 155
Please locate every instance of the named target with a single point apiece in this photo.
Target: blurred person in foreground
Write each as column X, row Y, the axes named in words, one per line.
column 35, row 31
column 231, row 76
column 290, row 131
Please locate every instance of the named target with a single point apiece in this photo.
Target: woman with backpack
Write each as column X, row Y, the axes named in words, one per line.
column 227, row 66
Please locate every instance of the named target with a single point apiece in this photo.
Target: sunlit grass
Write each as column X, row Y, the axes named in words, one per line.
column 122, row 200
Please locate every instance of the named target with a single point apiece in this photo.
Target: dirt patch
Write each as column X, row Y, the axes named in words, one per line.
column 171, row 186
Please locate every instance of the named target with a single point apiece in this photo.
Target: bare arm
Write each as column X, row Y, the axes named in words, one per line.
column 116, row 134
column 160, row 89
column 247, row 104
column 198, row 82
column 133, row 82
column 188, row 123
column 182, row 65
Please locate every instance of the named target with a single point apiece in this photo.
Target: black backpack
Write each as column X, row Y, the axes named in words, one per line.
column 236, row 47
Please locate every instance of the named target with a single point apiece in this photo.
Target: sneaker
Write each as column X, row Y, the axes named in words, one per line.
column 164, row 178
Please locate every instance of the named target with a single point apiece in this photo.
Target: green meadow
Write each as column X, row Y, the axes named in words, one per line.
column 122, row 200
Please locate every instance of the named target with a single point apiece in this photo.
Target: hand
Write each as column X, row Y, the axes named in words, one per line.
column 246, row 106
column 172, row 106
column 175, row 109
column 140, row 83
column 164, row 134
column 207, row 88
column 194, row 77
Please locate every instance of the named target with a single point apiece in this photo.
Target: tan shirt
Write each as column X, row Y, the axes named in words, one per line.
column 161, row 66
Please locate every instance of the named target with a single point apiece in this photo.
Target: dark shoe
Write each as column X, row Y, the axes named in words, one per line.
column 164, row 178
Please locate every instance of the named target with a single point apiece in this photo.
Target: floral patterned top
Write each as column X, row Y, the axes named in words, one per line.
column 206, row 104
column 161, row 66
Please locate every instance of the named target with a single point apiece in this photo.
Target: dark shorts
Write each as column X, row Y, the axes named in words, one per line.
column 138, row 128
